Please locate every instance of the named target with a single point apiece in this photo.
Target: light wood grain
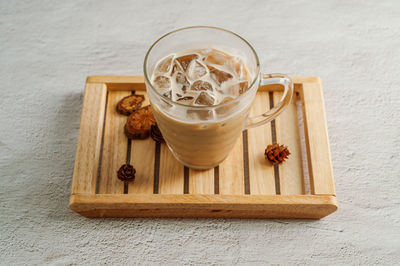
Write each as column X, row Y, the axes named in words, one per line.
column 223, row 206
column 121, row 83
column 201, row 181
column 278, row 87
column 231, row 172
column 134, row 80
column 171, row 173
column 317, row 141
column 262, row 178
column 288, row 134
column 142, row 158
column 115, row 145
column 89, row 141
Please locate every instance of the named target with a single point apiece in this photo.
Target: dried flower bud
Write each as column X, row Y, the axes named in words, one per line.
column 276, row 153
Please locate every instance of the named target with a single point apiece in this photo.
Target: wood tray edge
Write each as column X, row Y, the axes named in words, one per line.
column 204, row 206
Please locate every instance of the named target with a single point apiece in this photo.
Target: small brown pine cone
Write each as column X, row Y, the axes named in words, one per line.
column 276, row 153
column 126, row 173
column 155, row 134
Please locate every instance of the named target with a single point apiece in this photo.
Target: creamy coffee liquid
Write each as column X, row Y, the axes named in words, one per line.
column 202, row 77
column 201, row 138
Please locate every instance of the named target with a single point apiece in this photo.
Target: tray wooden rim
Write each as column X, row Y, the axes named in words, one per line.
column 204, row 206
column 322, row 202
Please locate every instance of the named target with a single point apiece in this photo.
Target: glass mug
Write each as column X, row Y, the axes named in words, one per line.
column 201, row 137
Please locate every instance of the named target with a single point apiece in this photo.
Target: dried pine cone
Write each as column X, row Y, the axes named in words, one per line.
column 126, row 173
column 276, row 153
column 155, row 134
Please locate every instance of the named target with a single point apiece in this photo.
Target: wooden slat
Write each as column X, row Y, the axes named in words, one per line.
column 126, row 83
column 171, row 173
column 89, row 142
column 262, row 179
column 231, row 172
column 319, row 156
column 114, row 146
column 116, row 79
column 142, row 158
column 201, row 181
column 224, row 206
column 287, row 133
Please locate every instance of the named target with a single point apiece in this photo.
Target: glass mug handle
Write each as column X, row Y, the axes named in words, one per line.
column 269, row 79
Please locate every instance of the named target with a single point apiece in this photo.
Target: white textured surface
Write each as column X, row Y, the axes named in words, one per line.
column 49, row 47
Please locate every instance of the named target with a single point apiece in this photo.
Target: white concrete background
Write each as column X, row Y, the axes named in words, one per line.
column 49, row 47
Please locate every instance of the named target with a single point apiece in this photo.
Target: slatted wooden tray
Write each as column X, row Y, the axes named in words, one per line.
column 243, row 186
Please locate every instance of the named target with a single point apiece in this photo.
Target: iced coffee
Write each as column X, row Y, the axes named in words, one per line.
column 201, row 78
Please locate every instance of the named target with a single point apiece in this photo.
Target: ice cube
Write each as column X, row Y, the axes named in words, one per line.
column 204, row 99
column 165, row 65
column 196, row 70
column 176, row 67
column 219, row 76
column 181, row 79
column 238, row 68
column 162, row 82
column 186, row 59
column 203, row 52
column 168, row 94
column 238, row 88
column 217, row 57
column 243, row 86
column 186, row 100
column 201, row 85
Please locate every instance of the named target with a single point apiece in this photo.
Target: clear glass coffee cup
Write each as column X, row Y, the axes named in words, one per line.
column 201, row 137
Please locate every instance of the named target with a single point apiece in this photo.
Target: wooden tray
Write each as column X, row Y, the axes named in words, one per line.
column 245, row 185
